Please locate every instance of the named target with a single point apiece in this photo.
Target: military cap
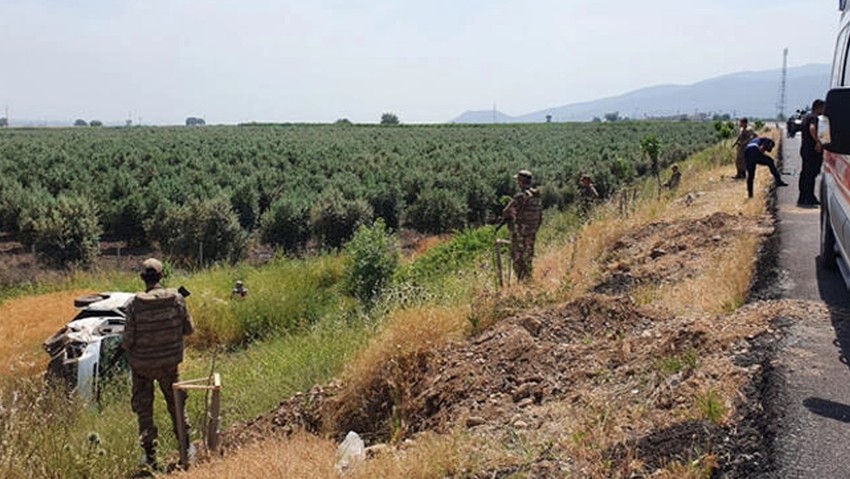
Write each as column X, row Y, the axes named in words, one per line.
column 152, row 264
column 523, row 174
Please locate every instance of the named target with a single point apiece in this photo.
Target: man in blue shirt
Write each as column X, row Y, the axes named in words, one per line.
column 754, row 154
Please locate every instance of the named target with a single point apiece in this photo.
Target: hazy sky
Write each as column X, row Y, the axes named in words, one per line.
column 426, row 61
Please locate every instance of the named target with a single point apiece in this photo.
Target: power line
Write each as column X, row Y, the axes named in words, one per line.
column 780, row 103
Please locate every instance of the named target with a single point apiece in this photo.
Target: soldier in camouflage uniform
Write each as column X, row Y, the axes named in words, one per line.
column 745, row 136
column 157, row 320
column 523, row 216
column 588, row 195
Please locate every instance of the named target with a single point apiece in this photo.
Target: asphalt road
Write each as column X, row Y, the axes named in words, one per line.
column 813, row 434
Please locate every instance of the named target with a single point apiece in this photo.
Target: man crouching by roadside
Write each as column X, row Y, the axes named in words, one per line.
column 157, row 320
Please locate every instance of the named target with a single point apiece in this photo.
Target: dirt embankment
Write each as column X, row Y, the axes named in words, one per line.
column 610, row 386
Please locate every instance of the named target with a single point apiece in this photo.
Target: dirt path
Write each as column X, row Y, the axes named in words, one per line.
column 25, row 323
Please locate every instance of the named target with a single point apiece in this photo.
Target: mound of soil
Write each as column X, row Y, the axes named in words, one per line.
column 667, row 252
column 528, row 359
column 601, row 349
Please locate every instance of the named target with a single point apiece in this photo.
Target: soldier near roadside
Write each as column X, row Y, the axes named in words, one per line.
column 157, row 321
column 745, row 136
column 523, row 215
column 675, row 177
column 588, row 194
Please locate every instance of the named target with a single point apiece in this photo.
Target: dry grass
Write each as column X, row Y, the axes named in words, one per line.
column 301, row 456
column 721, row 287
column 406, row 333
column 571, row 269
column 25, row 323
column 308, row 456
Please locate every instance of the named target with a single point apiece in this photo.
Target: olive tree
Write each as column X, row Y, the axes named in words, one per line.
column 67, row 233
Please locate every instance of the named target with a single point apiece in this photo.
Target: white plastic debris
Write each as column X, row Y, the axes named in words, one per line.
column 351, row 451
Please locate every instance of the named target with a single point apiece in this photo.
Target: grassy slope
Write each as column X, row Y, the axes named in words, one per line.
column 565, row 268
column 258, row 377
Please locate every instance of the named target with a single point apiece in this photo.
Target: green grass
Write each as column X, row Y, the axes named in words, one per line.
column 295, row 329
column 711, row 406
column 258, row 378
column 92, row 280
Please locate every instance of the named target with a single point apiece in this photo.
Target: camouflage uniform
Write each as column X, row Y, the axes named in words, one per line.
column 675, row 179
column 589, row 195
column 523, row 216
column 157, row 320
column 744, row 137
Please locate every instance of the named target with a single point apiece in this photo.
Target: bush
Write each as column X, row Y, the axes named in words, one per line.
column 127, row 220
column 334, row 218
column 246, row 203
column 371, row 259
column 67, row 233
column 437, row 211
column 386, row 203
column 286, row 224
column 200, row 233
column 479, row 200
column 14, row 200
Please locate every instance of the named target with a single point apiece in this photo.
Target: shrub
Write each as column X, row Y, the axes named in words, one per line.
column 67, row 233
column 623, row 170
column 334, row 218
column 246, row 203
column 479, row 199
column 13, row 200
column 200, row 233
column 286, row 224
column 386, row 203
column 371, row 259
column 437, row 211
column 127, row 220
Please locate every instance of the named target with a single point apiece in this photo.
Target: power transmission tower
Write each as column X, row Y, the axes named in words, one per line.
column 780, row 103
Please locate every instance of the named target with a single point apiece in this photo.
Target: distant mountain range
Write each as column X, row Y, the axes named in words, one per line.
column 752, row 94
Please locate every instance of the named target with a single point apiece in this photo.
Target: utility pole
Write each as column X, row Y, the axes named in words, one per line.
column 780, row 103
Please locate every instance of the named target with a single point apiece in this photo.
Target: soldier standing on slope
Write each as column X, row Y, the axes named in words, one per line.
column 745, row 136
column 523, row 216
column 157, row 320
column 588, row 195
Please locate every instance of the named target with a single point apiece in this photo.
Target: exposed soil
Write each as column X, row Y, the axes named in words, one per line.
column 647, row 368
column 667, row 252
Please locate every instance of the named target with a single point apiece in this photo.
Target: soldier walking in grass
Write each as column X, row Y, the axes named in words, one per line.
column 157, row 320
column 745, row 136
column 523, row 215
column 588, row 195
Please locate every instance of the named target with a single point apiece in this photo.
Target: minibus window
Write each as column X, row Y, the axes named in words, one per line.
column 840, row 61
